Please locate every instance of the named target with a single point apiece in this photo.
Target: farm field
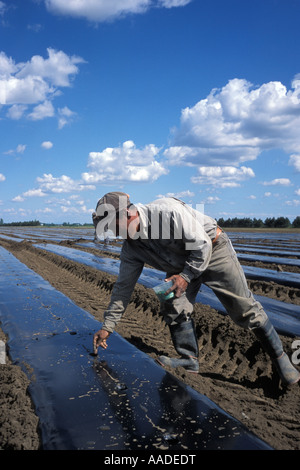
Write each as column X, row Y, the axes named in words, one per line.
column 234, row 372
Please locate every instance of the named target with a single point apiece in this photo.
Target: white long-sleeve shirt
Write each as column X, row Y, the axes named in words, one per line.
column 173, row 237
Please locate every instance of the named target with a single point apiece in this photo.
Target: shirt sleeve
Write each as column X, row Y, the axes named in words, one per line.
column 198, row 246
column 130, row 271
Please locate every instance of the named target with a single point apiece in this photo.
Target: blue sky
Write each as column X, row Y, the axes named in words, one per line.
column 192, row 98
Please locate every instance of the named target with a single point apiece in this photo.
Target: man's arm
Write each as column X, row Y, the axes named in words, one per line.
column 130, row 270
column 197, row 243
column 198, row 246
column 199, row 256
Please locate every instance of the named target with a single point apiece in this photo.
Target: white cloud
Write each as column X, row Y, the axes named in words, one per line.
column 23, row 91
column 2, row 7
column 294, row 202
column 222, row 177
column 278, row 181
column 97, row 10
column 65, row 116
column 295, row 162
column 45, row 210
column 211, row 200
column 75, row 210
column 47, row 145
column 63, row 184
column 56, row 70
column 236, row 123
column 16, row 111
column 18, row 199
column 193, row 156
column 297, row 192
column 42, row 111
column 19, row 149
column 48, row 184
column 179, row 195
column 68, row 205
column 33, row 193
column 36, row 27
column 174, row 3
column 2, row 177
column 7, row 65
column 35, row 83
column 124, row 163
column 105, row 10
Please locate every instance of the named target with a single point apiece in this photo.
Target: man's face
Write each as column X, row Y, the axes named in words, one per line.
column 119, row 227
column 125, row 225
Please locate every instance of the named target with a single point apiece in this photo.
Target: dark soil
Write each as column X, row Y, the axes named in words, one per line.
column 234, row 371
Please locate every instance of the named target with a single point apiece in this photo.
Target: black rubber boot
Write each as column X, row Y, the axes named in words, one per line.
column 272, row 344
column 185, row 342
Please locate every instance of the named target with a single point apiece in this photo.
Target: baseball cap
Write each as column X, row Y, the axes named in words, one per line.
column 115, row 199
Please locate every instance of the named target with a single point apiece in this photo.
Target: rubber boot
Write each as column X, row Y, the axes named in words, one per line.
column 272, row 344
column 185, row 342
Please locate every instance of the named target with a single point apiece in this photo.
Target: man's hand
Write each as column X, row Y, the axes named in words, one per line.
column 100, row 338
column 179, row 285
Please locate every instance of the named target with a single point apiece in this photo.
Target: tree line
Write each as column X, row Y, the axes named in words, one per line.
column 30, row 223
column 26, row 223
column 235, row 222
column 269, row 222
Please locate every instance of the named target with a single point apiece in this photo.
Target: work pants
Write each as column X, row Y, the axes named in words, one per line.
column 225, row 276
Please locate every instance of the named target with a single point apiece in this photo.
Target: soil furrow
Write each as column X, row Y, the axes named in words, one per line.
column 234, row 371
